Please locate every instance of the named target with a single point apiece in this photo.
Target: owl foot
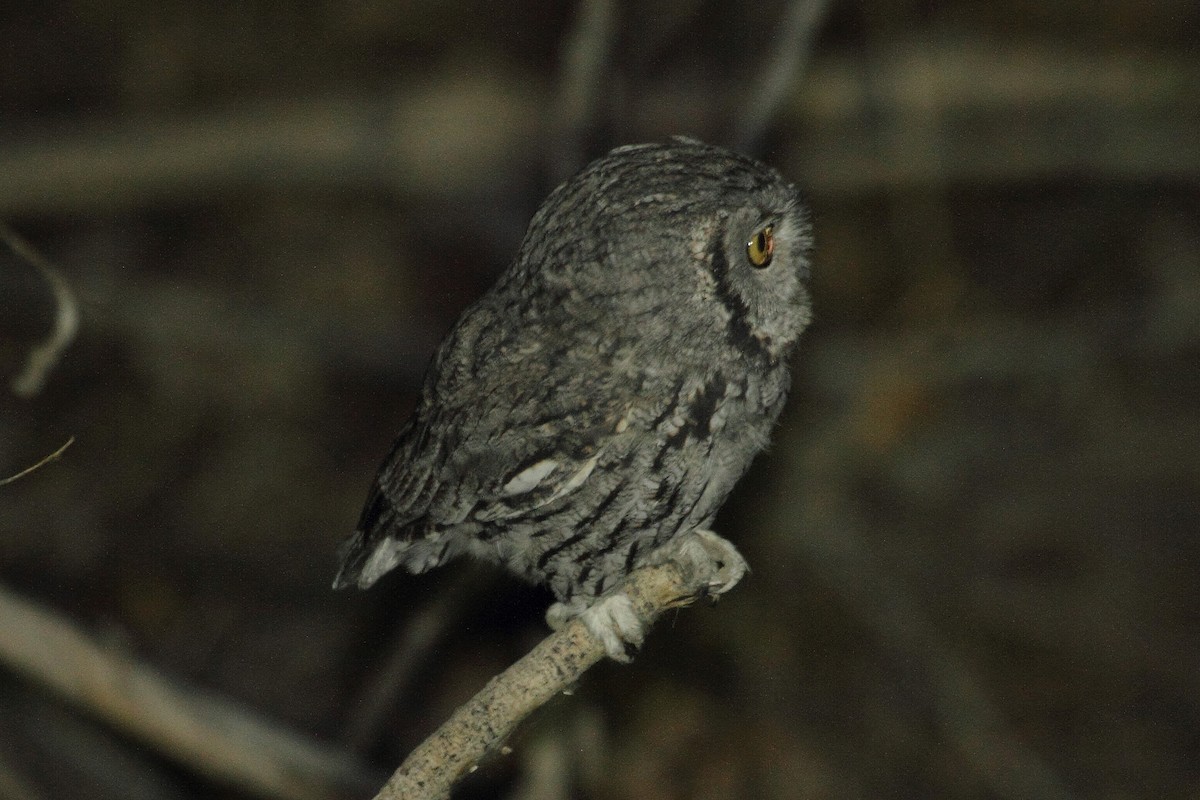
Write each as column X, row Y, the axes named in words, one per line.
column 611, row 619
column 708, row 561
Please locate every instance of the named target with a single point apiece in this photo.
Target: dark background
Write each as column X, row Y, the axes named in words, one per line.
column 974, row 539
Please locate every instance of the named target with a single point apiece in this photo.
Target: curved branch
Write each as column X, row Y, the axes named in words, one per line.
column 44, row 355
column 482, row 724
column 43, row 462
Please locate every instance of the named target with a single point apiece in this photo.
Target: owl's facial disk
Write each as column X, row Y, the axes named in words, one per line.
column 760, row 266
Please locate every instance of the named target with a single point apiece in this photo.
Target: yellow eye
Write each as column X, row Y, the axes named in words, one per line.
column 761, row 247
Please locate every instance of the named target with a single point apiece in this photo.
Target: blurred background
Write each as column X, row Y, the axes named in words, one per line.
column 976, row 570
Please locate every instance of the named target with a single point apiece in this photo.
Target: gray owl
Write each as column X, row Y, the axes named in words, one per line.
column 590, row 413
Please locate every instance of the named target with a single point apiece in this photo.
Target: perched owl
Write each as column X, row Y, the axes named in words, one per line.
column 590, row 413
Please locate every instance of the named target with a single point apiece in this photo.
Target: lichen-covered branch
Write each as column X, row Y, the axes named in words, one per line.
column 481, row 725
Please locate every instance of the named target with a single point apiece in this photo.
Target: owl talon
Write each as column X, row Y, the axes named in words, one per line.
column 612, row 620
column 710, row 562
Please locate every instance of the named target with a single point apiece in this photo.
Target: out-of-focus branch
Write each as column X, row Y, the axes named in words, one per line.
column 160, row 316
column 968, row 717
column 782, row 71
column 587, row 52
column 485, row 721
column 969, row 720
column 13, row 785
column 392, row 677
column 43, row 356
column 1006, row 114
column 207, row 732
column 438, row 136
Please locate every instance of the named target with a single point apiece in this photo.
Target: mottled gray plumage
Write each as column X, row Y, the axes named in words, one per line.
column 590, row 413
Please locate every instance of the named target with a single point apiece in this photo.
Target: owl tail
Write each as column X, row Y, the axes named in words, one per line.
column 352, row 554
column 370, row 551
column 365, row 562
column 380, row 544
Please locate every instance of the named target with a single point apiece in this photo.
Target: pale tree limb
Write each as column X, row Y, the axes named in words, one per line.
column 43, row 356
column 481, row 725
column 201, row 729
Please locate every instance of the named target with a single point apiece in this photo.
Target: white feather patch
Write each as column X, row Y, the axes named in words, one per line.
column 530, row 477
column 385, row 556
column 577, row 479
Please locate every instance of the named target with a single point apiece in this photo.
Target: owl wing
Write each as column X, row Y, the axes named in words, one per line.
column 420, row 505
column 494, row 439
column 383, row 535
column 535, row 435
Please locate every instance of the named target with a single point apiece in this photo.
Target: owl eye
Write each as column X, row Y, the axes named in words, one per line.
column 761, row 246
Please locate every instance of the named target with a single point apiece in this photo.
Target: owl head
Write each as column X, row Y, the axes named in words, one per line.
column 696, row 237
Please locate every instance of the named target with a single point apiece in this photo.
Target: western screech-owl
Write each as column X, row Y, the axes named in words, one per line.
column 590, row 413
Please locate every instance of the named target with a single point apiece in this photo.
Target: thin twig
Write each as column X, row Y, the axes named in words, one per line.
column 43, row 356
column 481, row 725
column 792, row 53
column 52, row 457
column 201, row 729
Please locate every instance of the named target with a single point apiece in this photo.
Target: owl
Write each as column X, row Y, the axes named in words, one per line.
column 590, row 413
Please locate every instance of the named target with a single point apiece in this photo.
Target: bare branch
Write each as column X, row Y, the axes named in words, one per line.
column 52, row 457
column 200, row 729
column 44, row 356
column 481, row 725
